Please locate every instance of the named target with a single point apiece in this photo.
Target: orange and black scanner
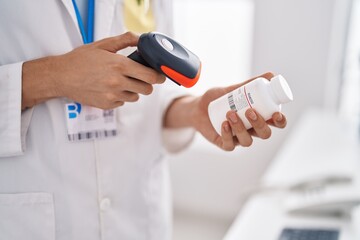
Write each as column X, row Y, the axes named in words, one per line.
column 169, row 57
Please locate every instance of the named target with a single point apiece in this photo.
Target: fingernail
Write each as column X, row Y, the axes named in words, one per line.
column 252, row 115
column 233, row 117
column 279, row 118
column 226, row 127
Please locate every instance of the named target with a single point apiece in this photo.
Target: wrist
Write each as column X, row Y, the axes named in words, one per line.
column 194, row 112
column 39, row 81
column 181, row 113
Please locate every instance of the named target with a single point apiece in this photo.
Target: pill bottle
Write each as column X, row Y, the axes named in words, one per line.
column 261, row 94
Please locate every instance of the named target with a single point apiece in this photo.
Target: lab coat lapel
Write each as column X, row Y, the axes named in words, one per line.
column 70, row 8
column 104, row 15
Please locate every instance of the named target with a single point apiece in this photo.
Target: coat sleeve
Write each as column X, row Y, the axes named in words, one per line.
column 13, row 122
column 174, row 140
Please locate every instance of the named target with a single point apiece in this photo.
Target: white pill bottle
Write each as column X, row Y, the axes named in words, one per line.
column 261, row 94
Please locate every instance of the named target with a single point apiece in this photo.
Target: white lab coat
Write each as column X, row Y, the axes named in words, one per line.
column 50, row 188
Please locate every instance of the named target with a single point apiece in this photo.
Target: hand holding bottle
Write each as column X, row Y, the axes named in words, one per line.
column 193, row 112
column 233, row 131
column 261, row 94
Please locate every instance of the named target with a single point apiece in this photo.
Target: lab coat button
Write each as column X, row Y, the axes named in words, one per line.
column 105, row 204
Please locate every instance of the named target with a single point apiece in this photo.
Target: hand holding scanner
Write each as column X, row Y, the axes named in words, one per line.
column 168, row 57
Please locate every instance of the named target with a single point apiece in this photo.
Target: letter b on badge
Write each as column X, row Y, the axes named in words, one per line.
column 73, row 110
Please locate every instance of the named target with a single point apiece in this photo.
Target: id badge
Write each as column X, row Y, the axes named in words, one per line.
column 85, row 123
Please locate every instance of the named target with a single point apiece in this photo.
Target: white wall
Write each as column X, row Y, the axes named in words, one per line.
column 291, row 37
column 220, row 33
column 295, row 37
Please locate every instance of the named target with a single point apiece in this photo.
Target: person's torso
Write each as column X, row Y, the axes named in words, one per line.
column 110, row 188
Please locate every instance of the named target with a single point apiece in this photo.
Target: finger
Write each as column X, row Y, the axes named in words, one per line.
column 239, row 129
column 259, row 124
column 267, row 75
column 252, row 132
column 279, row 120
column 136, row 70
column 108, row 106
column 126, row 96
column 137, row 86
column 221, row 91
column 117, row 104
column 227, row 137
column 114, row 44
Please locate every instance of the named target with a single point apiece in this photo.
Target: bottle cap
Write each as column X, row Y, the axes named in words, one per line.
column 281, row 89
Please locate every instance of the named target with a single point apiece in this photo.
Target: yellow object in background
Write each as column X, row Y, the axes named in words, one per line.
column 138, row 16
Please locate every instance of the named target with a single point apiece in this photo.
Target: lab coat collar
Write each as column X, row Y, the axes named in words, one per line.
column 104, row 13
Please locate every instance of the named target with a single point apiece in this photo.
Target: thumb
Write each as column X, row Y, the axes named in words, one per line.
column 267, row 75
column 114, row 44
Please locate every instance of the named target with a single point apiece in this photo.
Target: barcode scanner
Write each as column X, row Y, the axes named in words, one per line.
column 169, row 57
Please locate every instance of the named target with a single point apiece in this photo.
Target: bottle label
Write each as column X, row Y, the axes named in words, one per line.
column 239, row 99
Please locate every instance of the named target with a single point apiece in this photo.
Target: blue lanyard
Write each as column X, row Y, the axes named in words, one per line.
column 89, row 37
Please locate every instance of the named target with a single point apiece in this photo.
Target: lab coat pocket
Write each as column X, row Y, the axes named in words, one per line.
column 27, row 216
